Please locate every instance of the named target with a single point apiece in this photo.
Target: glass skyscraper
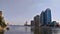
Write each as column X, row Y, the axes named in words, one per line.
column 47, row 16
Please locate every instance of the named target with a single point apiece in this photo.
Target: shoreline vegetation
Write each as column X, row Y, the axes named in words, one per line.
column 3, row 25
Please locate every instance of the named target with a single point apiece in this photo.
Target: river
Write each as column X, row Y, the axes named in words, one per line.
column 16, row 29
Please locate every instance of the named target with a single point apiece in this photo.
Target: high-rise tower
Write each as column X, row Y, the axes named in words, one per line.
column 47, row 16
column 36, row 21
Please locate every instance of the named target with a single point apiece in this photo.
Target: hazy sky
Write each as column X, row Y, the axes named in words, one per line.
column 20, row 11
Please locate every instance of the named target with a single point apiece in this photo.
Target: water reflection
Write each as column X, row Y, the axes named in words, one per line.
column 44, row 30
column 26, row 30
column 36, row 31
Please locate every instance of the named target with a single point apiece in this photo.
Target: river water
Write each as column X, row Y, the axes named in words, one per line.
column 16, row 29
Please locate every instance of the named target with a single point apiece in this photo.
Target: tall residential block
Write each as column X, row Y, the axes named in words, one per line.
column 42, row 18
column 36, row 21
column 32, row 22
column 47, row 16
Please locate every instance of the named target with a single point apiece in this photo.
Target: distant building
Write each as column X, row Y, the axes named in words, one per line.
column 42, row 18
column 47, row 16
column 32, row 23
column 54, row 23
column 26, row 23
column 36, row 21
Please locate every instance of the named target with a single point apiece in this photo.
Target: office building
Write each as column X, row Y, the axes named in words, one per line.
column 47, row 16
column 42, row 18
column 32, row 23
column 36, row 21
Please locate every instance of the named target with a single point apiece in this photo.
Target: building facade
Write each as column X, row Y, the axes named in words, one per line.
column 36, row 21
column 47, row 16
column 32, row 23
column 42, row 18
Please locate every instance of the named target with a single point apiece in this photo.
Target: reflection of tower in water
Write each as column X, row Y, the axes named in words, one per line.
column 43, row 30
column 36, row 31
column 26, row 26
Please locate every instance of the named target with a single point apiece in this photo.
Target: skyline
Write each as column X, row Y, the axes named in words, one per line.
column 20, row 11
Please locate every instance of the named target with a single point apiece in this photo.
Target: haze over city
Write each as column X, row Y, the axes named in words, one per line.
column 19, row 11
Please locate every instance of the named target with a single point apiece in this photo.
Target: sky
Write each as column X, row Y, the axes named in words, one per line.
column 19, row 11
